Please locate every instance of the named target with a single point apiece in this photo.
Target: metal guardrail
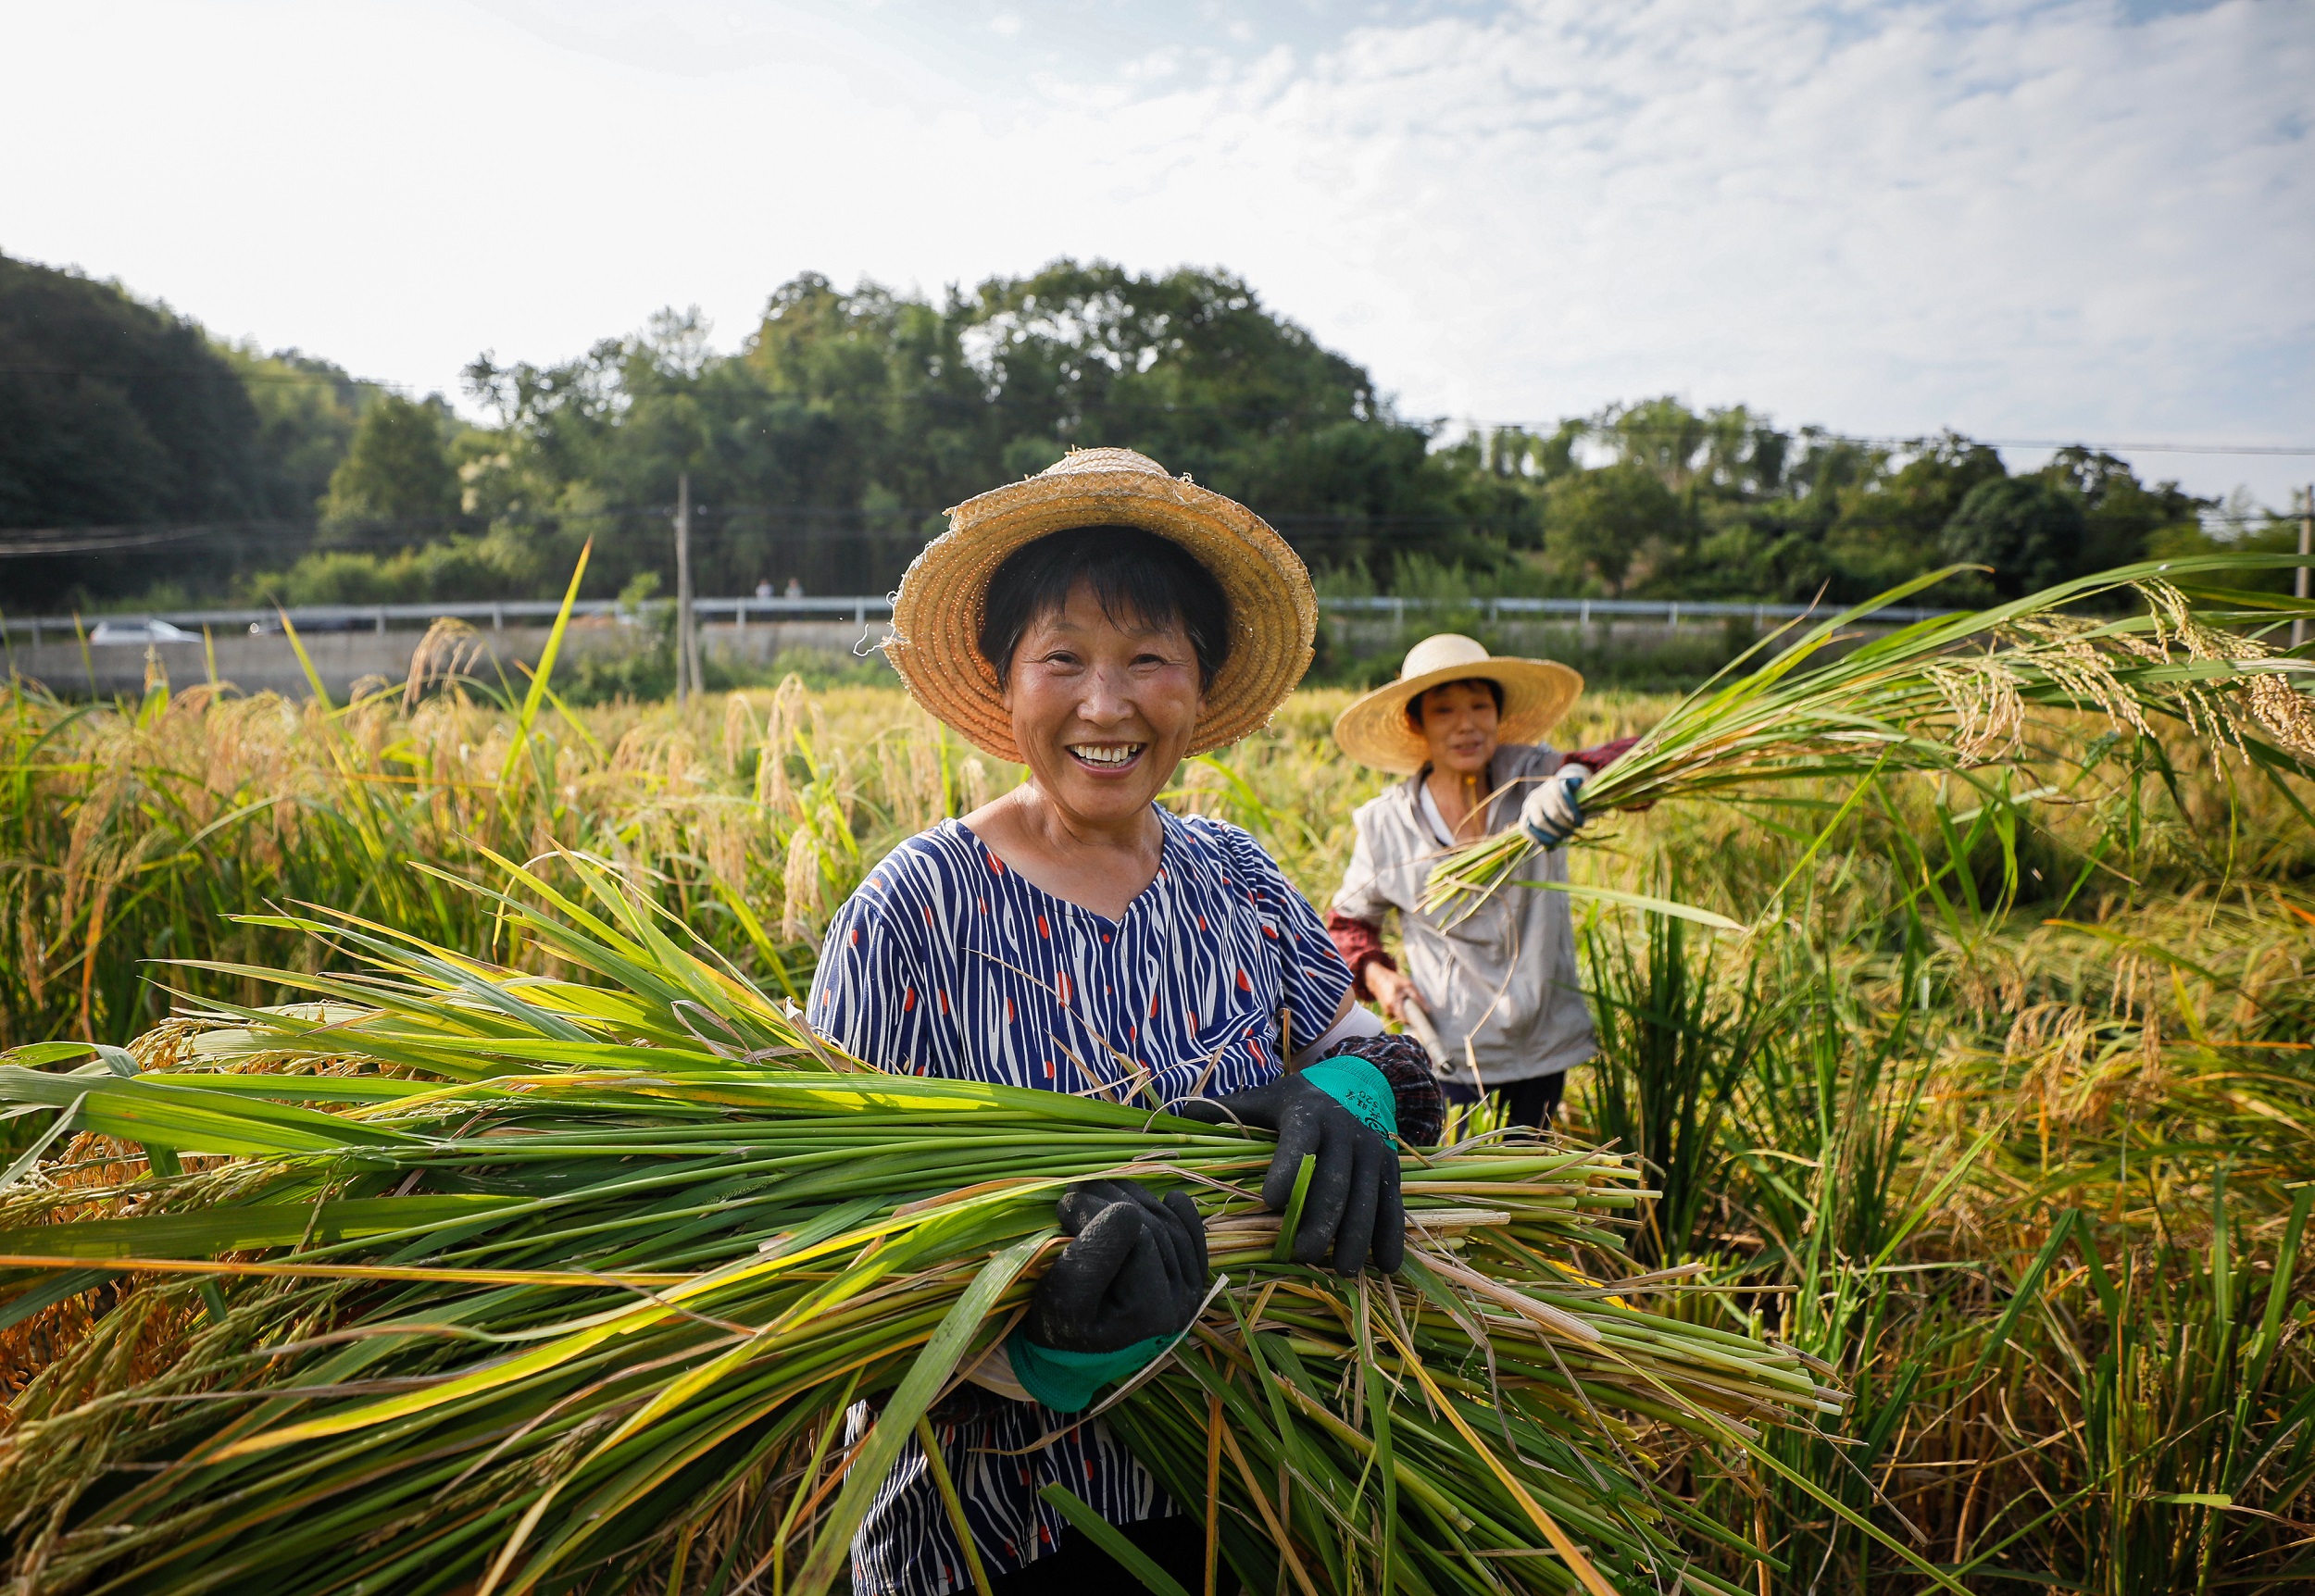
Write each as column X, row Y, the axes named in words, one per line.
column 858, row 609
column 1669, row 610
column 499, row 614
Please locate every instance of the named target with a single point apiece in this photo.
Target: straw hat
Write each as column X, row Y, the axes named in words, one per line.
column 1536, row 692
column 936, row 614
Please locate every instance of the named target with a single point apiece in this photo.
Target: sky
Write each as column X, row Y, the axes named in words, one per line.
column 2071, row 221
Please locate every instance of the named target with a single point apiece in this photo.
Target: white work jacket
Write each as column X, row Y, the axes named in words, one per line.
column 1501, row 987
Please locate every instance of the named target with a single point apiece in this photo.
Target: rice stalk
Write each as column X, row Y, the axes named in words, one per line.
column 527, row 1281
column 1953, row 693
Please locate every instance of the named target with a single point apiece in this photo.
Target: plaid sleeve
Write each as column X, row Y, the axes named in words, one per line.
column 1606, row 754
column 1360, row 944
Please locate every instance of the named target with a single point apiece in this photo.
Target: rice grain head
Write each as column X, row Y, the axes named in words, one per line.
column 450, row 649
column 739, row 729
column 972, row 784
column 926, row 777
column 801, row 899
column 1980, row 693
column 2283, row 711
column 1203, row 789
column 773, row 791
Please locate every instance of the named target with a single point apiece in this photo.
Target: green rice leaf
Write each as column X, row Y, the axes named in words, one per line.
column 1111, row 1541
column 896, row 1422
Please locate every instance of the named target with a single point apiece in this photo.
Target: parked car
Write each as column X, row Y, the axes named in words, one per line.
column 140, row 631
column 271, row 624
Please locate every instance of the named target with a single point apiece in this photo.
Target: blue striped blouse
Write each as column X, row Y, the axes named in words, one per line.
column 948, row 963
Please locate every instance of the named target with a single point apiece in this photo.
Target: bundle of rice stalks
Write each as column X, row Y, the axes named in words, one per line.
column 1956, row 693
column 461, row 1279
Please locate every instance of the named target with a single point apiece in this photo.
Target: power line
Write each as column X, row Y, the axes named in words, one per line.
column 58, row 541
column 206, row 373
column 1702, row 437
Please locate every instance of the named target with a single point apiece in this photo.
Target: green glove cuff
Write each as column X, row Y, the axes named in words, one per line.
column 1066, row 1381
column 1359, row 1087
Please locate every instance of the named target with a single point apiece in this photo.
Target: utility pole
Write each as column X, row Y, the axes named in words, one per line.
column 2298, row 578
column 686, row 652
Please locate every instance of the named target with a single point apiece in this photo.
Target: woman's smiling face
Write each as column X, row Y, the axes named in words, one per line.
column 1103, row 706
column 1460, row 726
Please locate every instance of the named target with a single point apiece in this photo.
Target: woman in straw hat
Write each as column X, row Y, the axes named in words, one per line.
column 1498, row 989
column 1098, row 624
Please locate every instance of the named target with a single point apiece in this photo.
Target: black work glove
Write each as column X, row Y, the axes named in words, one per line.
column 1137, row 1269
column 1353, row 1204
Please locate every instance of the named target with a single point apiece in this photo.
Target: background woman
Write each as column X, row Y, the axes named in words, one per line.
column 1099, row 623
column 1500, row 987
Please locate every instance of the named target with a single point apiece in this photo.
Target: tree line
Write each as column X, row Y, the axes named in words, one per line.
column 826, row 446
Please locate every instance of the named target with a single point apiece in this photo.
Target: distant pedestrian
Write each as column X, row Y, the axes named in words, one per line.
column 763, row 589
column 795, row 588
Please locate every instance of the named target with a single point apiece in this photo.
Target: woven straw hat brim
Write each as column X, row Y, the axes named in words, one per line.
column 1536, row 692
column 937, row 612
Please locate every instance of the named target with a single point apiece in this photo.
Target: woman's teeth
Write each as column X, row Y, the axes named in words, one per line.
column 1111, row 754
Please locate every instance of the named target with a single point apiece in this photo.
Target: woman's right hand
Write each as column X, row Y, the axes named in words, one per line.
column 1135, row 1269
column 1391, row 991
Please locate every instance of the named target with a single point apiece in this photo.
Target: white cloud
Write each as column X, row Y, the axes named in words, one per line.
column 2023, row 221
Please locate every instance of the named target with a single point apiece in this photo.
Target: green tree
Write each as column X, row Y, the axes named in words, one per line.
column 2122, row 516
column 2028, row 528
column 397, row 478
column 1604, row 521
column 1888, row 520
column 308, row 410
column 829, row 446
column 114, row 414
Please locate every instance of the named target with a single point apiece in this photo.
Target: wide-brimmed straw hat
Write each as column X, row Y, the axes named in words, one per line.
column 1536, row 692
column 937, row 613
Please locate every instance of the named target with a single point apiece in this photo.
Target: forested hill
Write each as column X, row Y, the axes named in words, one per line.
column 827, row 444
column 119, row 415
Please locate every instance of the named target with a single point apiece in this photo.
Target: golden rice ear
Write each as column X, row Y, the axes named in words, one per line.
column 450, row 649
column 739, row 729
column 972, row 784
column 801, row 899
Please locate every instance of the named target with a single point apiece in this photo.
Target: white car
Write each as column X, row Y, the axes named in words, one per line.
column 140, row 631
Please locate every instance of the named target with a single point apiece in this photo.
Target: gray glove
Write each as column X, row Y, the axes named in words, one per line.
column 1552, row 812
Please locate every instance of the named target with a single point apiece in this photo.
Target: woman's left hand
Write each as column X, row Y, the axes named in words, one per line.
column 1552, row 813
column 1352, row 1207
column 1137, row 1269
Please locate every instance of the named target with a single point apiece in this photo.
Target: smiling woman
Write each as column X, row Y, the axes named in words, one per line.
column 1098, row 624
column 1105, row 639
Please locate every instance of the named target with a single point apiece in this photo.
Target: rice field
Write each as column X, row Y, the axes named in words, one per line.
column 2001, row 1107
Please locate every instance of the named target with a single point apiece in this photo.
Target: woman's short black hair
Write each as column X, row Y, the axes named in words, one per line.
column 1135, row 576
column 1414, row 704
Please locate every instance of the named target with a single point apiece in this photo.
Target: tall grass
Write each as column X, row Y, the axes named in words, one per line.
column 135, row 832
column 2005, row 1108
